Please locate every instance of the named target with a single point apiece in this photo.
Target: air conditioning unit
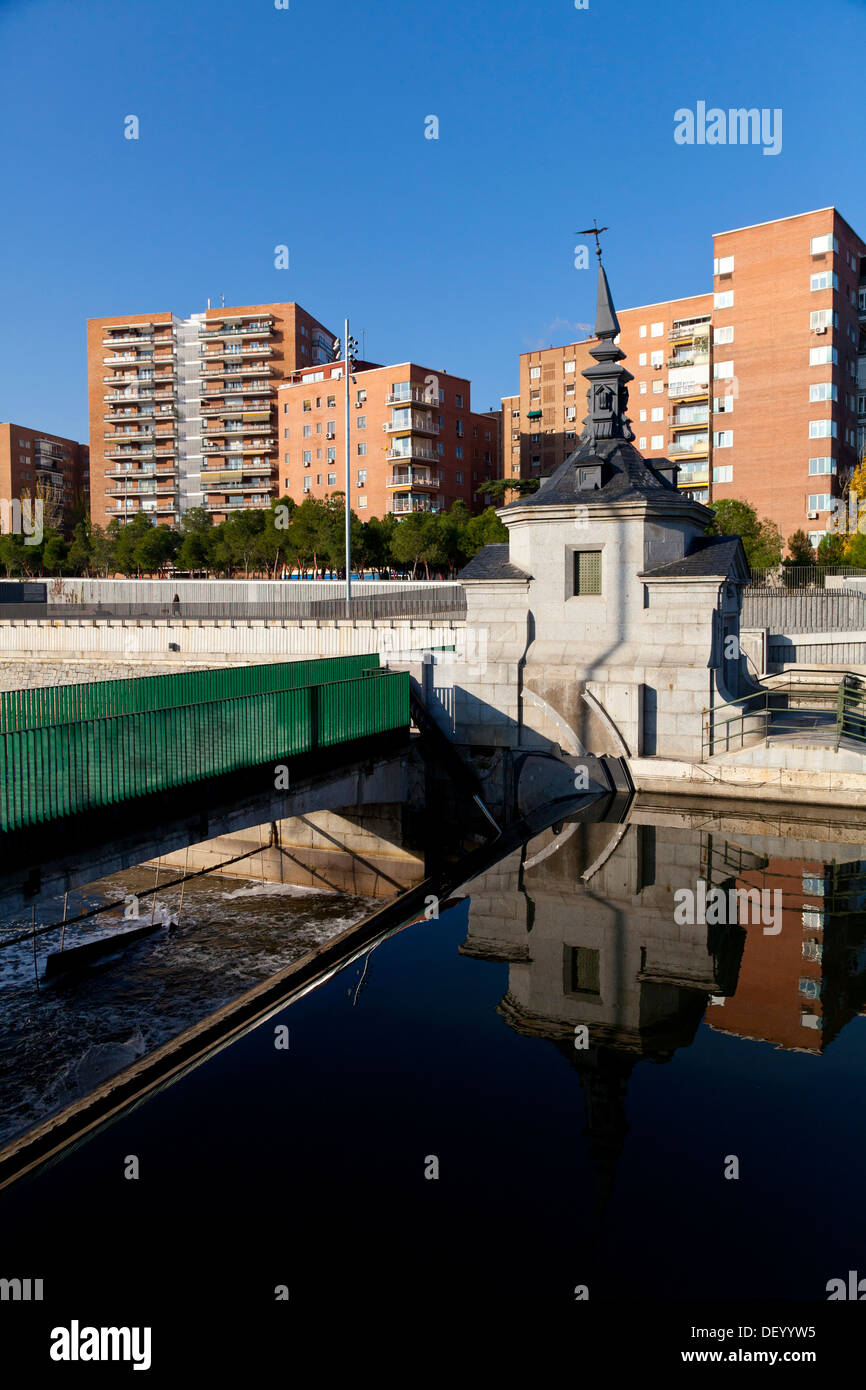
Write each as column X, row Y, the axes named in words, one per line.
column 812, row 516
column 820, row 330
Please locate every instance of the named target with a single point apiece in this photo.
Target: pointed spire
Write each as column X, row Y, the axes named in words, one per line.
column 607, row 396
column 606, row 321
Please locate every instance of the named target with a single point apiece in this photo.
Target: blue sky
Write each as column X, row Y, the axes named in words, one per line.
column 305, row 127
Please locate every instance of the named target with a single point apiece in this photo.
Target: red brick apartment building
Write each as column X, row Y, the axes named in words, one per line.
column 416, row 445
column 183, row 411
column 41, row 466
column 757, row 389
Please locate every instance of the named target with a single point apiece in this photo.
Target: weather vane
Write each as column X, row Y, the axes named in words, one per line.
column 595, row 231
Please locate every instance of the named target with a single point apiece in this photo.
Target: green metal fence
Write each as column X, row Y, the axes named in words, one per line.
column 69, row 704
column 793, row 708
column 61, row 769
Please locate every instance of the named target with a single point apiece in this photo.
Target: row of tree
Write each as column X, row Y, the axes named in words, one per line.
column 309, row 538
column 764, row 547
column 288, row 537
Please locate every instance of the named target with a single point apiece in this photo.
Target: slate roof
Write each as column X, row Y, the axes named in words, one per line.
column 709, row 557
column 493, row 563
column 630, row 478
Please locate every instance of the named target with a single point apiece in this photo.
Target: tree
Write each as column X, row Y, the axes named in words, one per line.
column 831, row 550
column 54, row 554
column 103, row 546
column 495, row 489
column 242, row 536
column 482, row 530
column 855, row 550
column 308, row 533
column 762, row 540
column 155, row 548
column 413, row 539
column 128, row 537
column 80, row 557
column 196, row 536
column 800, row 550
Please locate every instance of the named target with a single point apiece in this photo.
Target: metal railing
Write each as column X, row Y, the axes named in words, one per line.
column 802, row 576
column 445, row 608
column 791, row 708
column 784, row 611
column 64, row 769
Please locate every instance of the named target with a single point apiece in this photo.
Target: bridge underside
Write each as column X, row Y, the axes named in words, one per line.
column 57, row 856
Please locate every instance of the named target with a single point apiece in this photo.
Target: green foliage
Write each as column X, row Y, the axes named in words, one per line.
column 762, row 539
column 800, row 550
column 496, row 489
column 831, row 550
column 855, row 550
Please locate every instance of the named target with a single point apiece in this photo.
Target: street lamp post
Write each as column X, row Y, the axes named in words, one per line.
column 351, row 348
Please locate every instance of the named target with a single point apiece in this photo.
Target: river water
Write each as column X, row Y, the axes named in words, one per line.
column 571, row 1085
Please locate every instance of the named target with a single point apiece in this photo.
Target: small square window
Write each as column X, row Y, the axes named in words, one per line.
column 587, row 572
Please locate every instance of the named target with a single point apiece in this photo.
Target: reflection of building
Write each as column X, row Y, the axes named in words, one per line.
column 585, row 919
column 800, row 987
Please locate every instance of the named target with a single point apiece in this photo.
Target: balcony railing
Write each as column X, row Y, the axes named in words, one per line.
column 691, row 359
column 413, row 477
column 689, row 446
column 418, row 425
column 416, row 395
column 417, row 452
column 129, row 340
column 688, row 388
column 680, row 422
column 252, row 330
column 401, row 505
column 690, row 331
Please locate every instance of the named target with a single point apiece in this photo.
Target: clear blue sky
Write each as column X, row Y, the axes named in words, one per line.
column 306, row 127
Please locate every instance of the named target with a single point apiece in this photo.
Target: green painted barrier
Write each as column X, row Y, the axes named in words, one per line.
column 57, row 769
column 69, row 704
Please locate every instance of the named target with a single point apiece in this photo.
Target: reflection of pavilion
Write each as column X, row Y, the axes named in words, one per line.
column 584, row 916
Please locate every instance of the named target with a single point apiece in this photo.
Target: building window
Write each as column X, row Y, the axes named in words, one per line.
column 459, row 448
column 308, row 482
column 723, row 405
column 534, row 373
column 656, row 330
column 307, row 431
column 822, row 429
column 642, row 331
column 822, row 391
column 723, row 265
column 641, row 361
column 569, row 367
column 362, row 503
column 360, row 397
column 723, row 371
column 641, row 444
column 723, row 439
column 723, row 335
column 362, row 448
column 642, row 388
column 723, row 300
column 459, row 475
column 643, row 416
column 819, row 245
column 582, row 970
column 724, row 474
column 308, row 456
column 332, row 454
column 587, row 572
column 657, row 359
column 331, row 428
column 658, row 386
column 307, row 405
column 823, row 356
column 824, row 280
column 822, row 502
column 362, row 477
column 330, row 402
column 361, row 422
column 657, row 441
column 332, row 480
column 657, row 413
column 825, row 464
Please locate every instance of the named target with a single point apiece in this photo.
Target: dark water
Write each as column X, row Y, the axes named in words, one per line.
column 711, row 1050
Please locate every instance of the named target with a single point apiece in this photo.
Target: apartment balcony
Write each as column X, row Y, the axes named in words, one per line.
column 252, row 330
column 417, row 425
column 227, row 355
column 413, row 477
column 216, row 474
column 121, row 454
column 141, row 472
column 166, row 451
column 690, row 332
column 144, row 393
column 690, row 447
column 231, row 388
column 416, row 454
column 689, row 359
column 256, row 369
column 694, row 478
column 119, row 416
column 128, row 436
column 125, row 379
column 240, row 504
column 401, row 506
column 253, row 409
column 129, row 340
column 416, row 396
column 678, row 422
column 682, row 389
